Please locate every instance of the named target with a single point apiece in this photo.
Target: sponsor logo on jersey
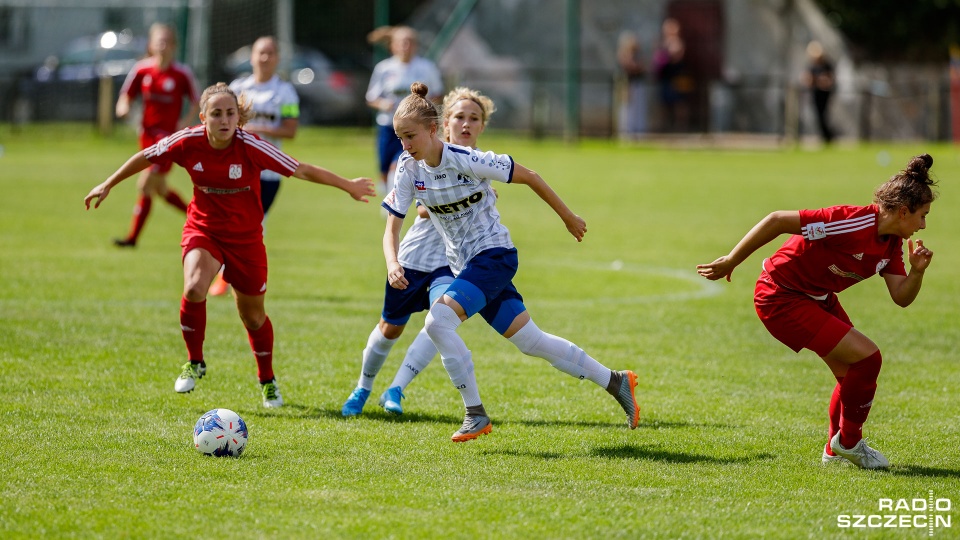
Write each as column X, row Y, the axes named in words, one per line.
column 198, row 167
column 457, row 206
column 419, row 185
column 833, row 268
column 222, row 191
column 440, row 176
column 168, row 85
column 235, row 172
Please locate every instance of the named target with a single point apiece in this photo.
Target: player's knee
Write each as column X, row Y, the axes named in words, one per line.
column 527, row 338
column 252, row 319
column 441, row 319
column 194, row 291
column 391, row 331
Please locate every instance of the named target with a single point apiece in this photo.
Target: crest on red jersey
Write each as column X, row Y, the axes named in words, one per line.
column 235, row 172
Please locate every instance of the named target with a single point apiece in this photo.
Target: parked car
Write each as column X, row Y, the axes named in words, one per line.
column 67, row 85
column 327, row 93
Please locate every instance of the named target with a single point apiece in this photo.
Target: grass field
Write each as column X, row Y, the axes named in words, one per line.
column 95, row 443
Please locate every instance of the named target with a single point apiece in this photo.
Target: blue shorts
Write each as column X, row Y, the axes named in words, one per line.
column 485, row 286
column 422, row 290
column 389, row 147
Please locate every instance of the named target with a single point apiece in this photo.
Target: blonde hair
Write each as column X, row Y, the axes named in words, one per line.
column 384, row 34
column 418, row 108
column 243, row 106
column 460, row 93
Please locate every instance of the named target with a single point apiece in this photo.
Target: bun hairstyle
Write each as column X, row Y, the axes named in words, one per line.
column 418, row 108
column 243, row 106
column 912, row 187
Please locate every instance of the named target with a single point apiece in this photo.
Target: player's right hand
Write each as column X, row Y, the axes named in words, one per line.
column 719, row 268
column 395, row 276
column 361, row 188
column 99, row 193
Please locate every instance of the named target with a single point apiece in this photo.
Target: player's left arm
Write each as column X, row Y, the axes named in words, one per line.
column 904, row 289
column 358, row 188
column 575, row 224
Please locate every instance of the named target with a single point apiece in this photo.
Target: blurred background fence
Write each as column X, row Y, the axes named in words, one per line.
column 550, row 65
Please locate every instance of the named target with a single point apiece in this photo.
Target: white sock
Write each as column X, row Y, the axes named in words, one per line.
column 562, row 354
column 378, row 347
column 419, row 356
column 441, row 325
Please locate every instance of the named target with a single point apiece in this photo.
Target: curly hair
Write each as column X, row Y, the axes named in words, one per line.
column 460, row 93
column 911, row 187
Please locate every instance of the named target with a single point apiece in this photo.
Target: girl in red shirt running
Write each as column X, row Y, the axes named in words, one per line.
column 224, row 221
column 163, row 84
column 830, row 250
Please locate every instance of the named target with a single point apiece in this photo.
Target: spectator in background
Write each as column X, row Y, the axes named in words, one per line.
column 819, row 78
column 633, row 110
column 163, row 84
column 675, row 82
column 390, row 83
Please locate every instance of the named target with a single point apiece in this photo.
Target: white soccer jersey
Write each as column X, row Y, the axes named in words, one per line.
column 272, row 102
column 422, row 247
column 391, row 79
column 459, row 198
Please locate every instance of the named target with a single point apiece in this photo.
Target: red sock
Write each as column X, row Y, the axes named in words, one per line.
column 173, row 198
column 193, row 324
column 835, row 409
column 856, row 395
column 261, row 341
column 140, row 212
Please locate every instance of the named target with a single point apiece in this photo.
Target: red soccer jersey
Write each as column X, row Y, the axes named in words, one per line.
column 226, row 183
column 839, row 246
column 163, row 92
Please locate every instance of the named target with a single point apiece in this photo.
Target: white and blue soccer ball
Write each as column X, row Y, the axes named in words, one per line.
column 220, row 432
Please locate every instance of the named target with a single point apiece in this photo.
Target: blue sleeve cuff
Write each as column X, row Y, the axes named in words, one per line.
column 392, row 211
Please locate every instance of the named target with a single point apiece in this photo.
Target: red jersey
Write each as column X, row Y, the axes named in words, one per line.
column 226, row 183
column 839, row 246
column 163, row 92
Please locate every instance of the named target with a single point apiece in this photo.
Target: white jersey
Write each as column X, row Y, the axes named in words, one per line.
column 422, row 247
column 459, row 198
column 391, row 79
column 272, row 102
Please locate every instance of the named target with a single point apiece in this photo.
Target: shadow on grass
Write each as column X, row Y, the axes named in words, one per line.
column 926, row 472
column 371, row 412
column 657, row 454
column 653, row 424
column 639, row 452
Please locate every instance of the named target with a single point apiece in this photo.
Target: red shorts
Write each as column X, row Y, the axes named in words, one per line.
column 799, row 321
column 148, row 138
column 245, row 265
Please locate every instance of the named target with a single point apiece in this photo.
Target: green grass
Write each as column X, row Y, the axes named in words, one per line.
column 95, row 443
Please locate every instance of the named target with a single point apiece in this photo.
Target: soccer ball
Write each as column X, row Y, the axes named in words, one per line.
column 220, row 432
